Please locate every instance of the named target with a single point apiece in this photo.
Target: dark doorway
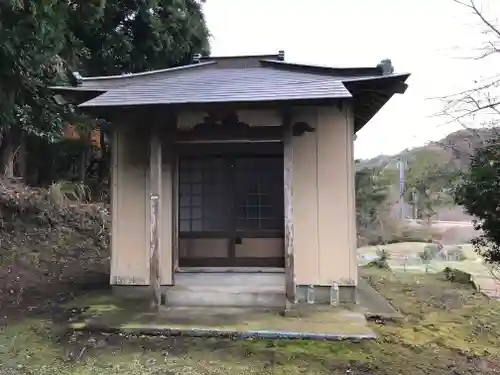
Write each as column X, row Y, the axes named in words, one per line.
column 231, row 206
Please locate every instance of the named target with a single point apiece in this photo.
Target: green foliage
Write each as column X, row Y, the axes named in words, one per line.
column 432, row 250
column 419, row 234
column 42, row 40
column 428, row 182
column 427, row 255
column 137, row 35
column 383, row 255
column 479, row 193
column 429, row 176
column 382, row 260
column 371, row 195
column 31, row 38
column 457, row 276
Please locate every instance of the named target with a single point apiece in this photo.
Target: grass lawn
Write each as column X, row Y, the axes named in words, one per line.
column 448, row 329
column 398, row 251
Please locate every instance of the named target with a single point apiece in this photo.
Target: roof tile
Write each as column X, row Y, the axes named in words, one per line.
column 224, row 85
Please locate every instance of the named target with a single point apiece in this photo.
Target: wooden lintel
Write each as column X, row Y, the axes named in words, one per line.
column 288, row 193
column 258, row 133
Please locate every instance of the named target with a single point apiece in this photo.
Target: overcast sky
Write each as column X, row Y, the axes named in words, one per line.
column 427, row 38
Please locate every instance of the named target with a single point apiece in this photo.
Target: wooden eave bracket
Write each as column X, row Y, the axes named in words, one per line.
column 301, row 127
column 399, row 88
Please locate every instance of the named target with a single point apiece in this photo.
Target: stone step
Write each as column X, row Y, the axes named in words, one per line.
column 256, row 279
column 230, row 298
column 224, row 289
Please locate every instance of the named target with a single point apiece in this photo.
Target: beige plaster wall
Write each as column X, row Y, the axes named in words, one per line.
column 129, row 239
column 131, row 211
column 323, row 201
column 323, row 198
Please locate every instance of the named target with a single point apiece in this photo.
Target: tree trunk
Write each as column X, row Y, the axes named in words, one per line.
column 83, row 165
column 84, row 157
column 8, row 156
column 21, row 159
column 46, row 170
column 103, row 156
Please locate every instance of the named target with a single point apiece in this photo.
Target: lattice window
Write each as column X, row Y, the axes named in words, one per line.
column 222, row 194
column 203, row 195
column 259, row 194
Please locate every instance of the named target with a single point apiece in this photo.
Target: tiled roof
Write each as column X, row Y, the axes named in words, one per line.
column 243, row 79
column 122, row 80
column 225, row 85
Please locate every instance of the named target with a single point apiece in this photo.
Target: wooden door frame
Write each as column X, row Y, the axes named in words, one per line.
column 228, row 152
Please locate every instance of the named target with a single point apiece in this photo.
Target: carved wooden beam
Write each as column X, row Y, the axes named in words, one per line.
column 228, row 127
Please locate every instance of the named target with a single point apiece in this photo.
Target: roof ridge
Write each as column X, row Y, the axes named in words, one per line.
column 222, row 57
column 150, row 72
column 278, row 63
column 161, row 80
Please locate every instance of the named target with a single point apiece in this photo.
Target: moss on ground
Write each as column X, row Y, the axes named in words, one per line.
column 449, row 328
column 107, row 312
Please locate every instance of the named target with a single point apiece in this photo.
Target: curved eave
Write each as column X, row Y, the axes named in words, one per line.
column 74, row 95
column 371, row 94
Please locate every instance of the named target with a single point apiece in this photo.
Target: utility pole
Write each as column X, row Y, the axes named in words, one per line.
column 402, row 168
column 415, row 204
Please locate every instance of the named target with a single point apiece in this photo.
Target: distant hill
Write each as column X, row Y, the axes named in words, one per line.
column 456, row 147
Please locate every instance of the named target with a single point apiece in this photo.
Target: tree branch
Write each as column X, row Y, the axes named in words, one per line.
column 477, row 12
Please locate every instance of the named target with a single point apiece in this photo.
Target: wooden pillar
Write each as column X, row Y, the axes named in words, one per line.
column 175, row 212
column 114, row 203
column 168, row 203
column 289, row 230
column 155, row 169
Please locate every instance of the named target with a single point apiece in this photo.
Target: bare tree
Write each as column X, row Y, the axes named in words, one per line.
column 481, row 102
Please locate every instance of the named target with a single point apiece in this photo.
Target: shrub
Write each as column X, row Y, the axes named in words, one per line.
column 457, row 276
column 382, row 260
column 432, row 250
column 398, row 235
column 478, row 192
column 426, row 257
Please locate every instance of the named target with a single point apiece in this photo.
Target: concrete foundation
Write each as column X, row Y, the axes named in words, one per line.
column 238, row 289
column 322, row 294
